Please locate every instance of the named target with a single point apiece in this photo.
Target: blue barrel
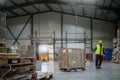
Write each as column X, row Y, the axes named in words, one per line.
column 108, row 54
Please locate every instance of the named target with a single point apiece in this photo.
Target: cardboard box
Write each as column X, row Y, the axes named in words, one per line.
column 26, row 51
column 115, row 40
column 118, row 33
column 71, row 58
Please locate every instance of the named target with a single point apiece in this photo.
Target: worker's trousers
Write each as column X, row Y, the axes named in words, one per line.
column 98, row 60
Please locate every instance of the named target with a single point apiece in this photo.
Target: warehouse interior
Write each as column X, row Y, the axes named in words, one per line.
column 48, row 39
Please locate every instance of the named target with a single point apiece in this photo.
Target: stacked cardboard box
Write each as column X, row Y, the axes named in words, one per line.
column 19, row 66
column 116, row 48
column 26, row 51
column 115, row 42
column 2, row 47
column 22, row 61
column 71, row 58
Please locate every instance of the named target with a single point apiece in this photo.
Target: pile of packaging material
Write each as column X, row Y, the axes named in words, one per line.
column 116, row 48
column 116, row 56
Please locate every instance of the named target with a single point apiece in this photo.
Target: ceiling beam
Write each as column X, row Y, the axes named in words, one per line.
column 61, row 8
column 33, row 6
column 83, row 10
column 60, row 12
column 77, row 4
column 48, row 6
column 108, row 11
column 72, row 10
column 102, row 10
column 10, row 11
column 95, row 13
column 118, row 12
column 116, row 3
column 14, row 13
column 28, row 14
column 83, row 16
column 19, row 6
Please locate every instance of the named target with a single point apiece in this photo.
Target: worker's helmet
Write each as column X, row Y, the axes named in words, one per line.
column 100, row 41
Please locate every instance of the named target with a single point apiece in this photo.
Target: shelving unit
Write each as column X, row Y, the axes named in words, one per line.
column 2, row 32
column 2, row 27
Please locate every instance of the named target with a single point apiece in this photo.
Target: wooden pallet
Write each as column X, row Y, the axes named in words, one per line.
column 44, row 76
column 19, row 66
column 30, row 76
column 17, row 71
column 75, row 69
column 71, row 59
column 6, row 61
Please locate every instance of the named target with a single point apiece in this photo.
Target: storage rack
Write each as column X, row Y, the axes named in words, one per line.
column 2, row 27
column 2, row 32
column 78, row 40
column 64, row 56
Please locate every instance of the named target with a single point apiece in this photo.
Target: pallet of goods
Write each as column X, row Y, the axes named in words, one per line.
column 44, row 75
column 15, row 64
column 71, row 59
column 116, row 48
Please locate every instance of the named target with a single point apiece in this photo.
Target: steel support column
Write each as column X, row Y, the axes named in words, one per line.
column 91, row 30
column 91, row 33
column 36, row 46
column 54, row 46
column 66, row 39
column 61, row 30
column 31, row 29
column 22, row 30
column 116, row 28
column 37, row 52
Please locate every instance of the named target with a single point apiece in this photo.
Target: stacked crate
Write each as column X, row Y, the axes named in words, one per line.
column 23, row 61
column 12, row 65
column 115, row 42
column 2, row 47
column 71, row 59
column 26, row 51
column 116, row 48
column 2, row 27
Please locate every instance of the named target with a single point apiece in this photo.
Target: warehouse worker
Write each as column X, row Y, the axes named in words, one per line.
column 99, row 51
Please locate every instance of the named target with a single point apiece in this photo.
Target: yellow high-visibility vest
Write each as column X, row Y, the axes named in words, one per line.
column 98, row 50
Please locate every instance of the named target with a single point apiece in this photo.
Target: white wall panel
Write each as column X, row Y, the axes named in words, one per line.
column 22, row 42
column 76, row 45
column 103, row 30
column 73, row 24
column 16, row 25
column 48, row 22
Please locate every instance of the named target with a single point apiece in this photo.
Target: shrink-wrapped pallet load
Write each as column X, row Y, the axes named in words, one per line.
column 71, row 59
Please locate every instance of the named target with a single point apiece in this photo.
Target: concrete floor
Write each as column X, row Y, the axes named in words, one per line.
column 109, row 71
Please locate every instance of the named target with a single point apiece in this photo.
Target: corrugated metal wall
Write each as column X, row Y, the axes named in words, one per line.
column 105, row 31
column 49, row 22
column 16, row 25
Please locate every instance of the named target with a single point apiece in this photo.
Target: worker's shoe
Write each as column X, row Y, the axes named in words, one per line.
column 97, row 67
column 100, row 67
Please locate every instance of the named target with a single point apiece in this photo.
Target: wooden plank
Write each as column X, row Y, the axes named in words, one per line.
column 44, row 76
column 16, row 61
column 18, row 71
